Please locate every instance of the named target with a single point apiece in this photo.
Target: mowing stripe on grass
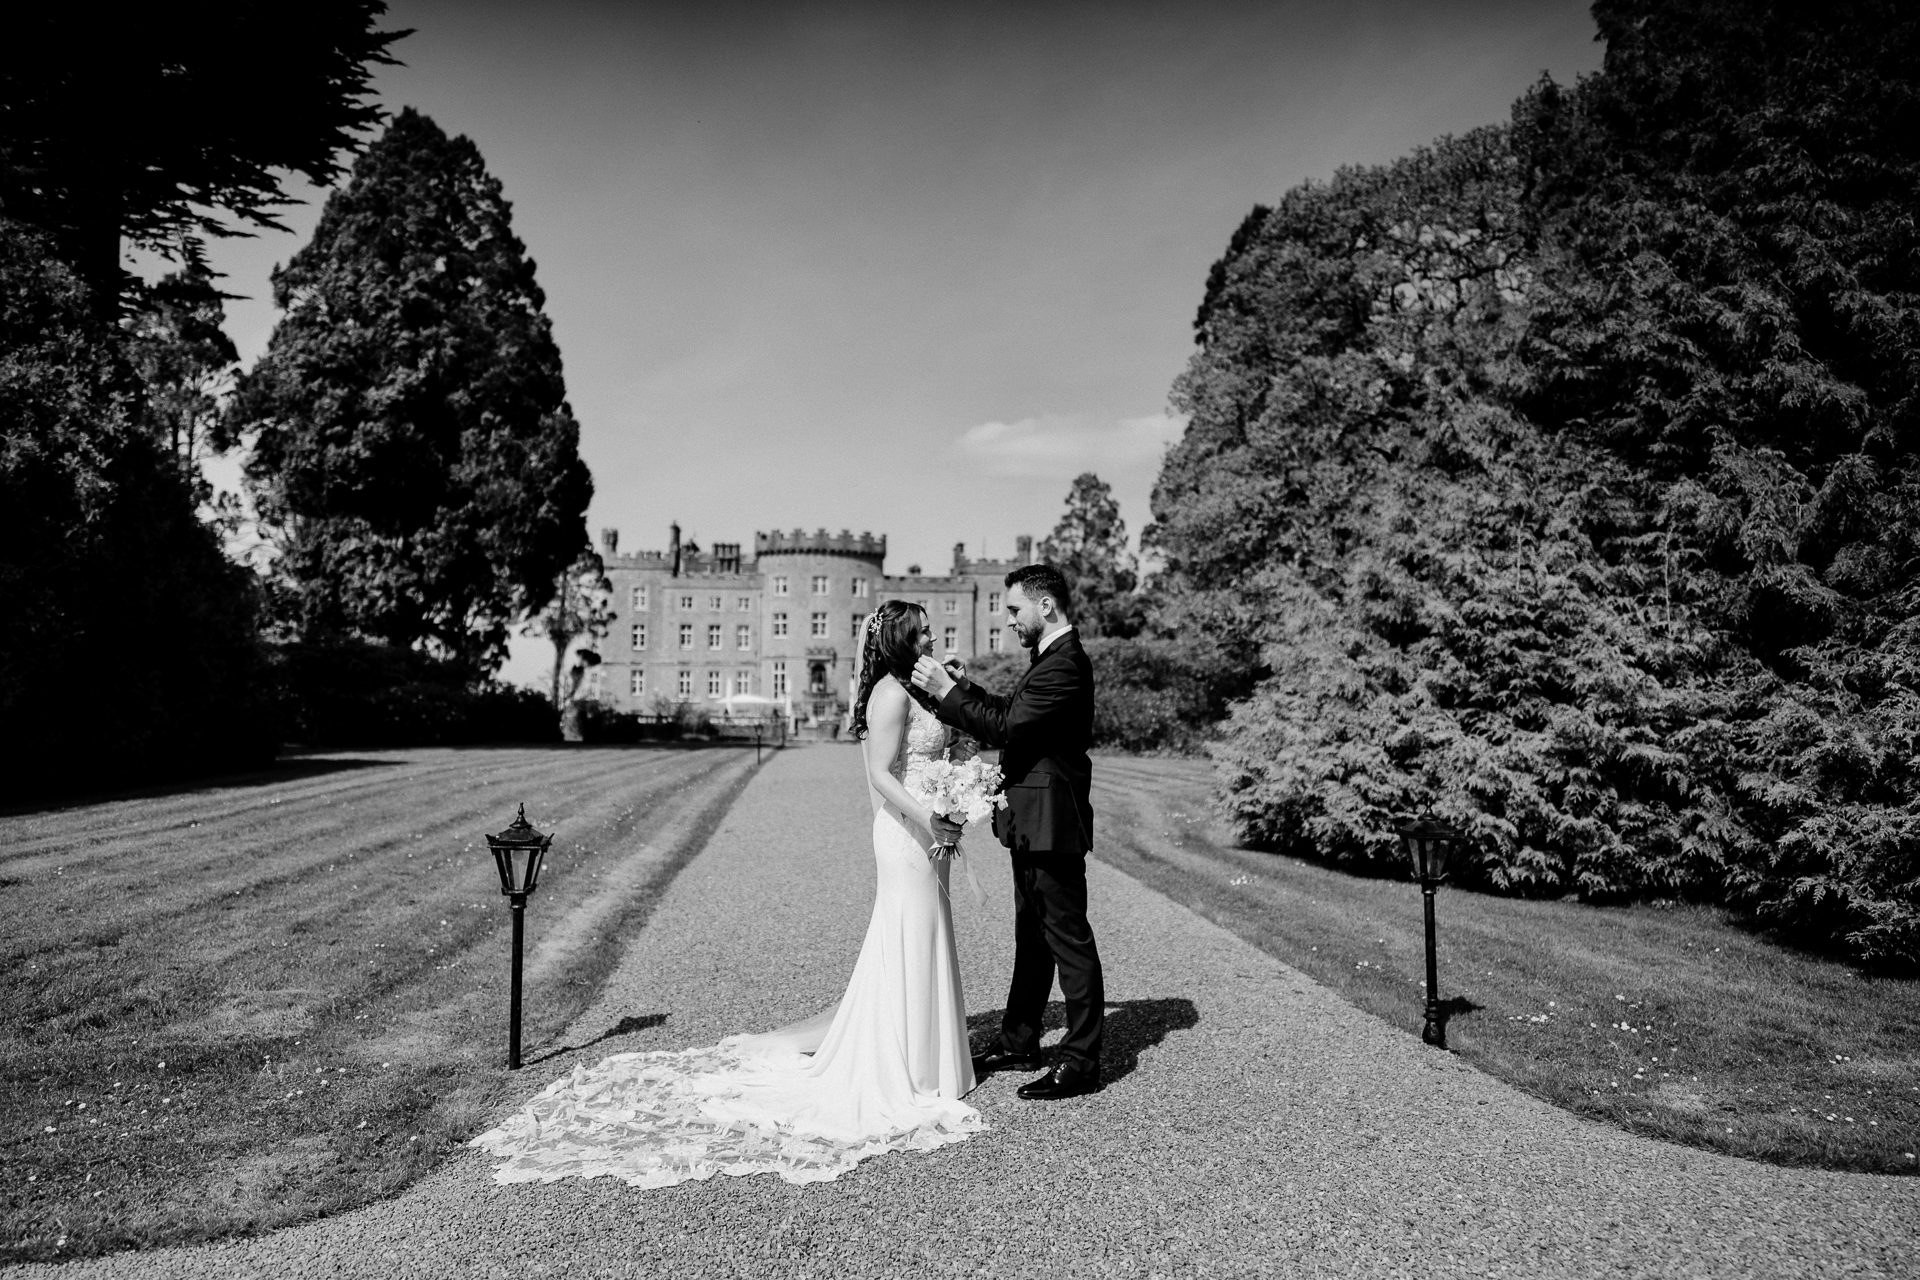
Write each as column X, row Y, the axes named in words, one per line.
column 320, row 966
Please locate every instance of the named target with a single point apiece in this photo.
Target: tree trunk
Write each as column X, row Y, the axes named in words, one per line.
column 90, row 241
column 560, row 646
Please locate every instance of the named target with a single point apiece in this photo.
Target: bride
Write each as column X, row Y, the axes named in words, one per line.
column 883, row 1070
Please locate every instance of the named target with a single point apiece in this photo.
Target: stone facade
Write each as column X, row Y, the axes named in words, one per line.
column 695, row 626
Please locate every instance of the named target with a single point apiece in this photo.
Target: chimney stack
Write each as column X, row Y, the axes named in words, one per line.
column 959, row 556
column 610, row 539
column 673, row 547
column 1023, row 548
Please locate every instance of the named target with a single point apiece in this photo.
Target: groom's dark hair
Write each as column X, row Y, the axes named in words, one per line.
column 1044, row 580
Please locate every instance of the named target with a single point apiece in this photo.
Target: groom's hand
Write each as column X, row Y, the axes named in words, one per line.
column 931, row 676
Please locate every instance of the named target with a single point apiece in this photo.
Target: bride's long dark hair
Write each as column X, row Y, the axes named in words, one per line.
column 889, row 646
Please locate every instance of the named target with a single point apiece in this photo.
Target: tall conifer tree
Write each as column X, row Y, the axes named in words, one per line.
column 147, row 122
column 131, row 649
column 1089, row 546
column 415, row 459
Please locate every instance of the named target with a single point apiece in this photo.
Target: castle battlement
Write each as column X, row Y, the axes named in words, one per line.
column 799, row 542
column 928, row 581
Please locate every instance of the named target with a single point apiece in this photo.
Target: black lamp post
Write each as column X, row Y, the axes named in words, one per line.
column 518, row 852
column 1430, row 843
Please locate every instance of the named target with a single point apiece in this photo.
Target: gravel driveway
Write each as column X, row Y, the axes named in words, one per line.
column 1254, row 1124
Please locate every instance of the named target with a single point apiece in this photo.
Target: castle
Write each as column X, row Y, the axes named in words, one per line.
column 713, row 627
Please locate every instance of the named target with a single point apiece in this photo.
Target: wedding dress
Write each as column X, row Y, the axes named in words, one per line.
column 888, row 1066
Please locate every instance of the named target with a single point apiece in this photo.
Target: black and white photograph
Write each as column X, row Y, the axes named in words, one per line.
column 1236, row 638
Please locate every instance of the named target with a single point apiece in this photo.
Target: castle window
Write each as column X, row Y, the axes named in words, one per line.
column 639, row 635
column 952, row 639
column 779, row 624
column 859, row 588
column 714, row 604
column 686, row 635
column 686, row 683
column 743, row 682
column 859, row 620
column 950, row 605
column 993, row 602
column 993, row 641
column 639, row 597
column 779, row 679
column 637, row 682
column 819, row 628
column 743, row 604
column 743, row 638
column 686, row 604
column 780, row 586
column 713, row 636
column 716, row 684
column 820, row 584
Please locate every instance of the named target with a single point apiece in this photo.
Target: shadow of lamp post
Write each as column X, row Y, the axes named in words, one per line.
column 518, row 852
column 1431, row 844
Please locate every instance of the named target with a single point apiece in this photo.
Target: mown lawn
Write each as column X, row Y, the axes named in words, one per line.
column 1668, row 1021
column 232, row 1008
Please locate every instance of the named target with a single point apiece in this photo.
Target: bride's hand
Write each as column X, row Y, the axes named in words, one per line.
column 946, row 830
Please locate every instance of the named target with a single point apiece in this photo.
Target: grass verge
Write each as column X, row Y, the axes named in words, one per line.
column 1666, row 1020
column 238, row 1007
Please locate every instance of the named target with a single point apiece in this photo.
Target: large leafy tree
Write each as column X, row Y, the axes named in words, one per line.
column 1089, row 546
column 148, row 121
column 131, row 650
column 1566, row 474
column 414, row 457
column 1732, row 302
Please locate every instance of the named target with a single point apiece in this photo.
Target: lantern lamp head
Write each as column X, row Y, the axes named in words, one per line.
column 1430, row 844
column 518, row 852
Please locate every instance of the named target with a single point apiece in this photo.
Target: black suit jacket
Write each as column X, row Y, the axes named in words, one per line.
column 1043, row 730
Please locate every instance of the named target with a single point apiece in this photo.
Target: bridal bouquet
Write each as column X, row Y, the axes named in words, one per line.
column 964, row 791
column 961, row 790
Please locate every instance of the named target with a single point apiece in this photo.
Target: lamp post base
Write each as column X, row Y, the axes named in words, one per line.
column 1435, row 1032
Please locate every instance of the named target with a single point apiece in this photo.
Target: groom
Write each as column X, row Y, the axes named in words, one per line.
column 1044, row 730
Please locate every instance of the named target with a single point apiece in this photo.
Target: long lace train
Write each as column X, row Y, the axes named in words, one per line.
column 656, row 1119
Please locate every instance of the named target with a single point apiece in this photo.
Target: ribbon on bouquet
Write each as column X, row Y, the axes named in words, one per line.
column 973, row 882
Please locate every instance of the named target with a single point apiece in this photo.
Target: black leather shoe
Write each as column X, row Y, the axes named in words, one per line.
column 1059, row 1083
column 1006, row 1060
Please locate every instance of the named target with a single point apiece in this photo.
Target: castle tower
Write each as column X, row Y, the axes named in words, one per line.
column 817, row 590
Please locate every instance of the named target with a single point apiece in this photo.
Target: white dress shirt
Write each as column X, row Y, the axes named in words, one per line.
column 1050, row 639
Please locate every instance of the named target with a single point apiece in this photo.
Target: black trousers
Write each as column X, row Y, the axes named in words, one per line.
column 1050, row 932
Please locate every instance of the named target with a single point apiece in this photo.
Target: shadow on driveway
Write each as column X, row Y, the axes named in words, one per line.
column 1132, row 1026
column 625, row 1027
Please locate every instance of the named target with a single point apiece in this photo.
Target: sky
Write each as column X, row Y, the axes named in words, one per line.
column 905, row 267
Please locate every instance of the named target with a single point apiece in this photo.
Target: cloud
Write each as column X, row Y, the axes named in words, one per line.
column 1061, row 446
